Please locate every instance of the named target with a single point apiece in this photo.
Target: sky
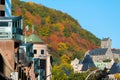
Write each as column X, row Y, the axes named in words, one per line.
column 100, row 17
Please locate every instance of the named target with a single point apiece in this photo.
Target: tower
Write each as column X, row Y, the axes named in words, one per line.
column 106, row 43
column 5, row 8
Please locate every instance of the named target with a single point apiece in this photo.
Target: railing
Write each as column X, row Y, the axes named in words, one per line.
column 9, row 33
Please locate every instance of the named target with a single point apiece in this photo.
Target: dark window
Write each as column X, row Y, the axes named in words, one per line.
column 42, row 64
column 42, row 51
column 2, row 2
column 16, row 24
column 4, row 24
column 35, row 51
column 2, row 13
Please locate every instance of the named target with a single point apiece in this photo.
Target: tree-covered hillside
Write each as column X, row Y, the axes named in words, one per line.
column 60, row 31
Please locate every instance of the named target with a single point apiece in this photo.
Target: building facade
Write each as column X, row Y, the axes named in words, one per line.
column 11, row 28
column 10, row 40
column 41, row 61
column 106, row 43
column 5, row 8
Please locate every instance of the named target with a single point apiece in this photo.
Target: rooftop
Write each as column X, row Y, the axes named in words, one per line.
column 98, row 51
column 12, row 17
column 116, row 51
column 87, row 63
column 115, row 68
column 106, row 39
column 33, row 38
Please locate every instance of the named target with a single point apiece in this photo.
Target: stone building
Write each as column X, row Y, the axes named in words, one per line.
column 101, row 54
column 106, row 43
column 100, row 57
column 103, row 57
column 116, row 54
column 77, row 66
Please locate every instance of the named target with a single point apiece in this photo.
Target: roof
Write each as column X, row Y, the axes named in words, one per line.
column 98, row 51
column 12, row 17
column 33, row 38
column 115, row 68
column 87, row 63
column 26, row 44
column 105, row 39
column 116, row 51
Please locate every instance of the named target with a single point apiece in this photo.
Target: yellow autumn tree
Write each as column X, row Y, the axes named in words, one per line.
column 65, row 59
column 117, row 76
column 62, row 46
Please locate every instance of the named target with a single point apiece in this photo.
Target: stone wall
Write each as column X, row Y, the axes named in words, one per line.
column 7, row 51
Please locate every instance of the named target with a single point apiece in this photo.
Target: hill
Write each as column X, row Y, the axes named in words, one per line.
column 60, row 31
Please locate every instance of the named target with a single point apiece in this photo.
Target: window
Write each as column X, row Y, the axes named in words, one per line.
column 4, row 24
column 42, row 64
column 2, row 2
column 42, row 51
column 2, row 13
column 35, row 51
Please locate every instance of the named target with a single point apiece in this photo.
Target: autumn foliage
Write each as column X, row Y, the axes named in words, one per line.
column 61, row 32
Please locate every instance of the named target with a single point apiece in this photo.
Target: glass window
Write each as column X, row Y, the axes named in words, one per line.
column 35, row 51
column 42, row 51
column 2, row 2
column 2, row 24
column 42, row 64
column 2, row 13
column 9, row 24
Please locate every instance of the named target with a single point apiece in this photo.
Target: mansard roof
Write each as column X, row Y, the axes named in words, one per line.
column 98, row 51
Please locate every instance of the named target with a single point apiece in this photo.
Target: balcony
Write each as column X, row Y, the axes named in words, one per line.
column 11, row 28
column 5, row 33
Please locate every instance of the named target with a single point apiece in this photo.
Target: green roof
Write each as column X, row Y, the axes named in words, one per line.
column 33, row 38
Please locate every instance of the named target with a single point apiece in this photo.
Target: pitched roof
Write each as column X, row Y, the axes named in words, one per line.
column 115, row 68
column 98, row 51
column 33, row 38
column 87, row 63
